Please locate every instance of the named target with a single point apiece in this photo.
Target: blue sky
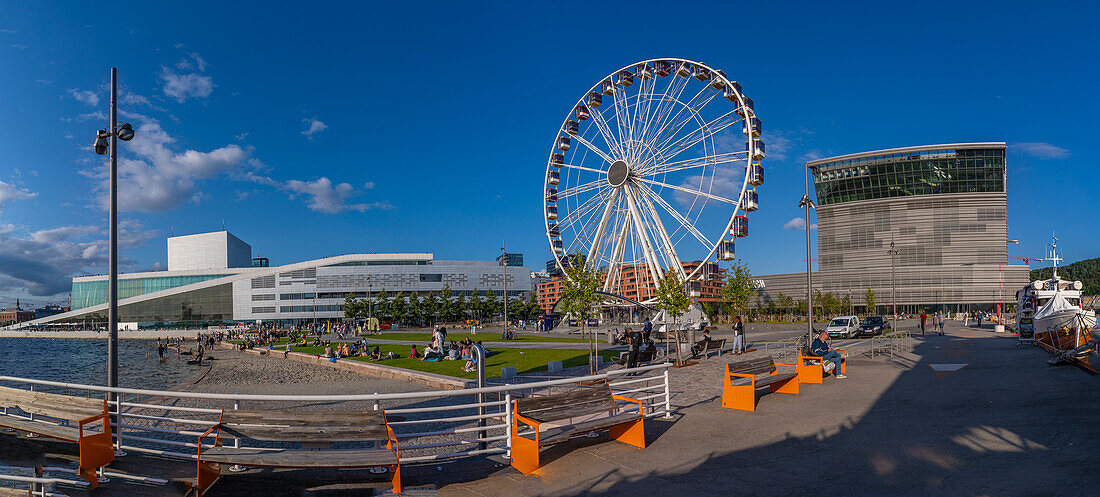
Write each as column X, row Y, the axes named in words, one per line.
column 376, row 128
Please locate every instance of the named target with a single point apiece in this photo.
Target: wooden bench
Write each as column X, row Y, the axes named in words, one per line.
column 559, row 417
column 314, row 430
column 643, row 357
column 811, row 369
column 743, row 378
column 63, row 411
column 665, row 335
column 710, row 345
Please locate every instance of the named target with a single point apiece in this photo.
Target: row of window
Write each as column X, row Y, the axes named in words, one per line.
column 89, row 293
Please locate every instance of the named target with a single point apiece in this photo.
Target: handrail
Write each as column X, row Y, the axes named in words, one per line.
column 335, row 398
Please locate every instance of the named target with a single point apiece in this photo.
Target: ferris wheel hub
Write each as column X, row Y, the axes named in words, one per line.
column 618, row 173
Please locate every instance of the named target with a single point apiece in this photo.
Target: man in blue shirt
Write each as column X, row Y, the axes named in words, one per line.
column 820, row 348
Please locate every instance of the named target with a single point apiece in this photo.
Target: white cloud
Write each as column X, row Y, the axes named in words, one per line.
column 798, row 223
column 44, row 81
column 159, row 178
column 183, row 86
column 130, row 98
column 368, row 185
column 10, row 193
column 90, row 116
column 315, row 126
column 8, row 31
column 812, row 155
column 63, row 233
column 724, row 183
column 87, row 96
column 778, row 145
column 331, row 199
column 1040, row 150
column 20, row 46
column 241, row 136
column 199, row 61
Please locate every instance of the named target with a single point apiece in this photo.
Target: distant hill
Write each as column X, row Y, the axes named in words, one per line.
column 1086, row 271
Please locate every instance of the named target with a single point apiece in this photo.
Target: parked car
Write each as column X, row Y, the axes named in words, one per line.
column 874, row 325
column 843, row 327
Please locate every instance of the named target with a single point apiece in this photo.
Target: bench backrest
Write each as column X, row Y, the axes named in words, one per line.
column 51, row 404
column 305, row 426
column 763, row 365
column 580, row 402
column 716, row 344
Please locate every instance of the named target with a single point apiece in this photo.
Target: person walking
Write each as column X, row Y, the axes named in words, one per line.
column 635, row 339
column 923, row 320
column 738, row 336
column 647, row 328
column 941, row 323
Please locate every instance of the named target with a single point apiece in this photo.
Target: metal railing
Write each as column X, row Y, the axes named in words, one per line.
column 430, row 425
column 893, row 344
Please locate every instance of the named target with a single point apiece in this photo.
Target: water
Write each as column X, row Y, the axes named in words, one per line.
column 75, row 360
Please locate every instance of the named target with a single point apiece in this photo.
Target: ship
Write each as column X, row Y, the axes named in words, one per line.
column 1049, row 312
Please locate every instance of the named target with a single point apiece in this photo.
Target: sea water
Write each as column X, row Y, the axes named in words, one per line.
column 77, row 360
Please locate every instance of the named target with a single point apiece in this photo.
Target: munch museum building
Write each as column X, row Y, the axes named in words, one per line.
column 944, row 208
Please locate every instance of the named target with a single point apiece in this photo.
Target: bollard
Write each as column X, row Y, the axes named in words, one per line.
column 553, row 367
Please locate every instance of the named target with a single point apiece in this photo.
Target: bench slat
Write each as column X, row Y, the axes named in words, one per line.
column 303, row 418
column 567, row 405
column 52, row 405
column 67, row 433
column 365, row 458
column 307, row 433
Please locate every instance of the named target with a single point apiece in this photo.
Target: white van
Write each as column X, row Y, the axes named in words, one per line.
column 843, row 327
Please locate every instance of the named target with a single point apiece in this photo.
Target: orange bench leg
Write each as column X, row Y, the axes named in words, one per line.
column 632, row 433
column 95, row 451
column 208, row 474
column 789, row 386
column 741, row 397
column 525, row 455
column 396, row 478
column 810, row 373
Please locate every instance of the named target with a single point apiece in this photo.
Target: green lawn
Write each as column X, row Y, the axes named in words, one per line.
column 485, row 337
column 524, row 360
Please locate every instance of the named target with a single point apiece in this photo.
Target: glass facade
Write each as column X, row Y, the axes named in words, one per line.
column 207, row 305
column 977, row 170
column 89, row 293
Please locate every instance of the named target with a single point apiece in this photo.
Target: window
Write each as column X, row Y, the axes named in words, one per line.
column 263, row 296
column 263, row 310
column 431, row 278
column 296, row 296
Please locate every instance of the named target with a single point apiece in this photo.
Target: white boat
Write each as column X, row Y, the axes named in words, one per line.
column 1050, row 311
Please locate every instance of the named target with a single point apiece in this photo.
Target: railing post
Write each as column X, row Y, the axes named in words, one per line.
column 480, row 352
column 508, row 423
column 236, row 468
column 668, row 396
column 116, row 427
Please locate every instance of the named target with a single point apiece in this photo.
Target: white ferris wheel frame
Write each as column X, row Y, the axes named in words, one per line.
column 640, row 195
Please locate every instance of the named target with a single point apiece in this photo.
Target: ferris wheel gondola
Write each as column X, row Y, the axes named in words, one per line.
column 646, row 169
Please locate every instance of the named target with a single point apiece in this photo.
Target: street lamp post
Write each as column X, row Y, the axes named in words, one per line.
column 893, row 281
column 504, row 261
column 808, row 204
column 101, row 145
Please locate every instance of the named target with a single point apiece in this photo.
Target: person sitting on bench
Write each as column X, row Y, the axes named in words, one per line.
column 700, row 345
column 820, row 348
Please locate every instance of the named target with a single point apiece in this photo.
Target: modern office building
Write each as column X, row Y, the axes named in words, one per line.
column 511, row 259
column 942, row 209
column 213, row 281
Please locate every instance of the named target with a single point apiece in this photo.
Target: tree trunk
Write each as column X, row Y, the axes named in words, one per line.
column 679, row 358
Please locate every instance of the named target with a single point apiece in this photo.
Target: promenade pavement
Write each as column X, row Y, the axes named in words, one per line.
column 1006, row 423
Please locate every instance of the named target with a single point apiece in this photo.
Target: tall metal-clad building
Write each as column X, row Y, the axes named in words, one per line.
column 944, row 208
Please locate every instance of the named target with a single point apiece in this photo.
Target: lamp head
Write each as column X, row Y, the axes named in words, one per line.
column 125, row 132
column 101, row 142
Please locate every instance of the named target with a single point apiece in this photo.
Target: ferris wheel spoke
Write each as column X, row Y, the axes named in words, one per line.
column 679, row 217
column 706, row 160
column 689, row 190
column 692, row 113
column 579, row 213
column 689, row 140
column 616, row 259
column 594, row 148
column 622, row 119
column 601, row 229
column 641, row 112
column 582, row 232
column 581, row 188
column 582, row 168
column 660, row 118
column 605, row 131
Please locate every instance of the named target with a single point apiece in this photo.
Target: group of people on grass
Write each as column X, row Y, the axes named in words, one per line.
column 439, row 350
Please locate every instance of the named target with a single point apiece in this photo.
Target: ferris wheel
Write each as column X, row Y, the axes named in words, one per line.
column 656, row 164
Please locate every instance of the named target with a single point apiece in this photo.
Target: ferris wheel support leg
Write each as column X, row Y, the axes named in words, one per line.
column 669, row 249
column 655, row 269
column 617, row 257
column 601, row 230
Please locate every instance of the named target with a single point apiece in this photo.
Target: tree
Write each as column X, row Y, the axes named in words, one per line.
column 739, row 287
column 673, row 300
column 400, row 308
column 786, row 304
column 383, row 309
column 353, row 307
column 449, row 305
column 579, row 297
column 433, row 308
column 869, row 298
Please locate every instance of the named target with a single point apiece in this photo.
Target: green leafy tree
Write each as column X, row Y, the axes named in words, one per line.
column 449, row 305
column 433, row 308
column 400, row 308
column 383, row 307
column 579, row 298
column 786, row 304
column 739, row 287
column 672, row 298
column 353, row 307
column 869, row 299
